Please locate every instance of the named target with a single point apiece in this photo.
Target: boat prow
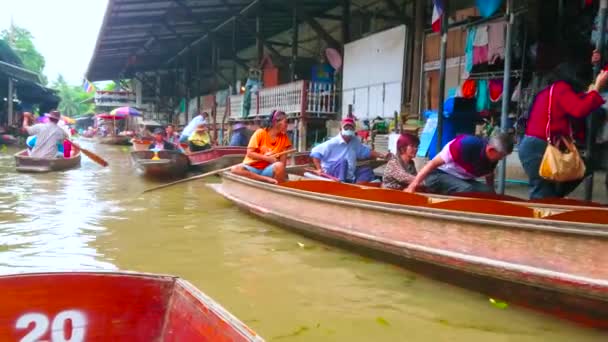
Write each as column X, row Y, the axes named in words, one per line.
column 169, row 163
column 104, row 306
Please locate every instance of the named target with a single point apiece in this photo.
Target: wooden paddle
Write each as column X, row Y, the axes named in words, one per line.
column 94, row 157
column 211, row 173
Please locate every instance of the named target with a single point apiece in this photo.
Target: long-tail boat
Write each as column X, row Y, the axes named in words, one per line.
column 161, row 164
column 558, row 251
column 115, row 140
column 112, row 306
column 216, row 158
column 25, row 163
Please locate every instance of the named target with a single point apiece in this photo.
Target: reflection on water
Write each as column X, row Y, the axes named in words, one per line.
column 286, row 287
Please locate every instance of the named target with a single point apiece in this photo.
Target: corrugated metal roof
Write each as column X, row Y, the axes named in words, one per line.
column 144, row 35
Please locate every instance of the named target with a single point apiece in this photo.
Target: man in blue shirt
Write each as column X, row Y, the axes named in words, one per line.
column 338, row 156
column 239, row 138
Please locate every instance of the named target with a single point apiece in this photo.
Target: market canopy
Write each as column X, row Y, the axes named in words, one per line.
column 138, row 36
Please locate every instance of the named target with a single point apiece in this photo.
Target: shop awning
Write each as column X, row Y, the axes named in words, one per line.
column 18, row 73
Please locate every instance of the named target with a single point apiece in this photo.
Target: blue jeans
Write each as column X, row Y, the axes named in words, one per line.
column 443, row 183
column 531, row 151
column 268, row 171
column 340, row 171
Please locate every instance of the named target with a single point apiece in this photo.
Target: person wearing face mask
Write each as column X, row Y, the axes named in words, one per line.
column 400, row 171
column 338, row 156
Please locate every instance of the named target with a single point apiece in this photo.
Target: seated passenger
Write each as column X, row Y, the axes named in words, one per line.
column 460, row 162
column 159, row 141
column 260, row 162
column 338, row 156
column 400, row 171
column 199, row 140
column 49, row 136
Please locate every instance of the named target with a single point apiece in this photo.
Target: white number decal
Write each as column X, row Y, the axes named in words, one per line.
column 58, row 327
column 41, row 324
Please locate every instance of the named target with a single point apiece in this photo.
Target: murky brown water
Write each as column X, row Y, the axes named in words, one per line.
column 286, row 287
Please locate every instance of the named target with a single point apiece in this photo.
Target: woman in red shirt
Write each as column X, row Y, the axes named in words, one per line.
column 567, row 103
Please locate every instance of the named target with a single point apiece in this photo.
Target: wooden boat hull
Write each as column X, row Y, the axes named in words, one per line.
column 171, row 163
column 564, row 257
column 216, row 158
column 98, row 306
column 25, row 163
column 115, row 140
column 141, row 145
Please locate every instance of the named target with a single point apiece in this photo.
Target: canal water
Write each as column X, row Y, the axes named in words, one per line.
column 284, row 286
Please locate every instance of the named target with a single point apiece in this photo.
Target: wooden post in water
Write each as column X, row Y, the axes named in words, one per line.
column 9, row 99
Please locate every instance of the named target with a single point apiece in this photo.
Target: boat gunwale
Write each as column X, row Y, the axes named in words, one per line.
column 590, row 229
column 412, row 250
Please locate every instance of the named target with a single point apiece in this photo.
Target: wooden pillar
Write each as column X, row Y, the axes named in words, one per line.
column 199, row 80
column 345, row 21
column 259, row 38
column 294, row 39
column 235, row 26
column 9, row 98
column 214, row 66
column 418, row 33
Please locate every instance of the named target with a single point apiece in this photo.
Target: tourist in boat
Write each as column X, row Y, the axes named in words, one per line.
column 400, row 170
column 202, row 118
column 49, row 136
column 338, row 156
column 171, row 136
column 239, row 138
column 159, row 141
column 260, row 163
column 568, row 102
column 460, row 162
column 199, row 140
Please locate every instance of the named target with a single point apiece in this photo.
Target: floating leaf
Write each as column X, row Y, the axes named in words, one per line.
column 498, row 303
column 3, row 149
column 382, row 321
column 301, row 245
column 125, row 149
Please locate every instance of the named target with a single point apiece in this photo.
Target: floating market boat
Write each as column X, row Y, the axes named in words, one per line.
column 115, row 140
column 112, row 306
column 25, row 163
column 141, row 144
column 161, row 164
column 216, row 158
column 557, row 250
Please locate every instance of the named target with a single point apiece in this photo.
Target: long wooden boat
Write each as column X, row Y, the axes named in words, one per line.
column 557, row 255
column 141, row 144
column 216, row 158
column 25, row 163
column 170, row 163
column 116, row 306
column 115, row 140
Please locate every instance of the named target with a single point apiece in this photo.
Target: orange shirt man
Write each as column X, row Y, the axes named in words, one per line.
column 260, row 163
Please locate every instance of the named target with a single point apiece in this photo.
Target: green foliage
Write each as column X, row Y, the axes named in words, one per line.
column 20, row 40
column 74, row 100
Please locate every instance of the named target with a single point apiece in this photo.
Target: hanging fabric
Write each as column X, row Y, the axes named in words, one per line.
column 488, row 7
column 469, row 89
column 468, row 50
column 480, row 45
column 483, row 98
column 495, row 88
column 496, row 41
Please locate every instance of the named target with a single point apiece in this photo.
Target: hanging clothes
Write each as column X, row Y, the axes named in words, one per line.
column 488, row 7
column 496, row 41
column 495, row 88
column 480, row 45
column 468, row 50
column 468, row 89
column 483, row 98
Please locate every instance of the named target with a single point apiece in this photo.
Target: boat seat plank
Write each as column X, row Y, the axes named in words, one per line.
column 582, row 216
column 491, row 207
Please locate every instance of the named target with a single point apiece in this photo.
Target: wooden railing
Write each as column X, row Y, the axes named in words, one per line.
column 295, row 97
